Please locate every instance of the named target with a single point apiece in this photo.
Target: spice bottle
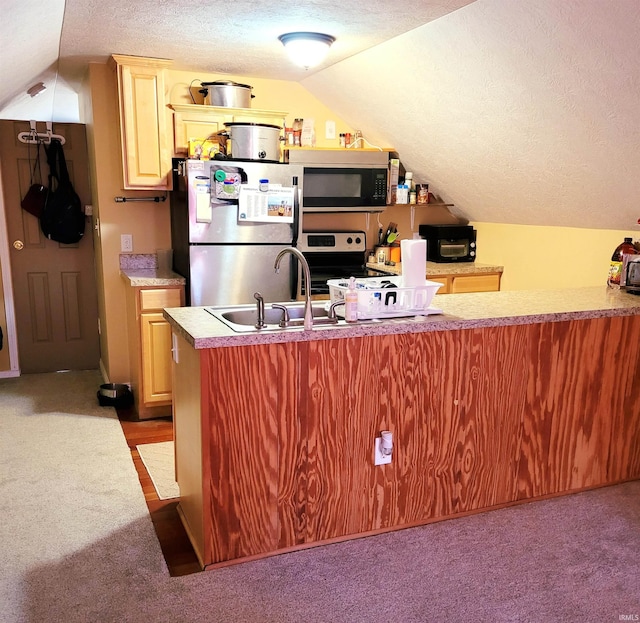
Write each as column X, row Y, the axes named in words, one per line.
column 402, row 194
column 422, row 191
column 351, row 302
column 615, row 267
column 408, row 180
column 297, row 132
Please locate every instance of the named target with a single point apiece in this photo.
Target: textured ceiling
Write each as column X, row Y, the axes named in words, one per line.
column 235, row 37
column 202, row 35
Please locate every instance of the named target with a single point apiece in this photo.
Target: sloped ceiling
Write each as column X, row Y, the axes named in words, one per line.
column 30, row 36
column 522, row 113
column 238, row 38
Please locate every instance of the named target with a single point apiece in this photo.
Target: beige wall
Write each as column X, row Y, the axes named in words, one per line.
column 534, row 257
column 548, row 257
column 149, row 222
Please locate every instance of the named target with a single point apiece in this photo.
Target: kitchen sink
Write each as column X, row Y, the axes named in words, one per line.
column 243, row 318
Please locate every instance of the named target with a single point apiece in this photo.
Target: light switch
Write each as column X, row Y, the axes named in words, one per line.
column 330, row 129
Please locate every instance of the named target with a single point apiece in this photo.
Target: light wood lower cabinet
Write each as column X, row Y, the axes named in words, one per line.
column 458, row 284
column 277, row 453
column 150, row 348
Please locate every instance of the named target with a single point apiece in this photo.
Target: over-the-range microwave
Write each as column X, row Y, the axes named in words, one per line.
column 343, row 180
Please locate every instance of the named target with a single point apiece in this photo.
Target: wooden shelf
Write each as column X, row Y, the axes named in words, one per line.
column 227, row 110
column 423, row 205
column 300, row 148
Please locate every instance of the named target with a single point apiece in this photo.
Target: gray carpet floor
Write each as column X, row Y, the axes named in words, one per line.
column 78, row 544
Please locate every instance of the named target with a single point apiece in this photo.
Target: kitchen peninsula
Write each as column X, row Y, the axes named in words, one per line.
column 506, row 397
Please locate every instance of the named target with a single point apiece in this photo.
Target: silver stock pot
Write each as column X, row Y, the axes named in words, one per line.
column 227, row 94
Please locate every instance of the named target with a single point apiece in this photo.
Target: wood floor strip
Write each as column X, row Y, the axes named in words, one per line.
column 174, row 542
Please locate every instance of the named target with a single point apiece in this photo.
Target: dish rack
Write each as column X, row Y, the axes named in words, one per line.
column 386, row 297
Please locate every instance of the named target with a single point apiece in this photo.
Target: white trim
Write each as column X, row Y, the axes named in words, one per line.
column 7, row 282
column 103, row 371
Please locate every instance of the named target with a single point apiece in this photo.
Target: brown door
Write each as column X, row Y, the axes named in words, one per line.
column 54, row 284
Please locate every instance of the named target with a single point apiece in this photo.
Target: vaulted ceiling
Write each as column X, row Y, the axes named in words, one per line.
column 520, row 113
column 40, row 38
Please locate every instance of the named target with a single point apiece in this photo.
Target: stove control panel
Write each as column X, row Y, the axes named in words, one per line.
column 332, row 241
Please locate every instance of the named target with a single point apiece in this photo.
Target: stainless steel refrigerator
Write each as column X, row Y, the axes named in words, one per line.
column 225, row 241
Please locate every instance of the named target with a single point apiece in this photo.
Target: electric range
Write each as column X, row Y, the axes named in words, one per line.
column 333, row 255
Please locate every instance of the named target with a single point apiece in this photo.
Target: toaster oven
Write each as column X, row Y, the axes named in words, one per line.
column 449, row 243
column 631, row 273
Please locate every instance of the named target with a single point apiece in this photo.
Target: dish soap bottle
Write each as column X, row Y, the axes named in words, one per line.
column 615, row 268
column 351, row 302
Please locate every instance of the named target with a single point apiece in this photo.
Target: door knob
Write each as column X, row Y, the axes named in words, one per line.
column 18, row 244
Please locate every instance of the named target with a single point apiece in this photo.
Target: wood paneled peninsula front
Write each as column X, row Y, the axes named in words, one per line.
column 507, row 397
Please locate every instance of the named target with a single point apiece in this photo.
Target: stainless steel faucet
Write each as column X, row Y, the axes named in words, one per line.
column 260, row 309
column 308, row 310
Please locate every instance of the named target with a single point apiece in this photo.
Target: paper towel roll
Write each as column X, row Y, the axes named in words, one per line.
column 414, row 262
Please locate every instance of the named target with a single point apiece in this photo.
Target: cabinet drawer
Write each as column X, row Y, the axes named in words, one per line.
column 476, row 283
column 157, row 299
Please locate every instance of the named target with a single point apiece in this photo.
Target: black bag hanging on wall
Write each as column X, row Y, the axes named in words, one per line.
column 35, row 198
column 62, row 217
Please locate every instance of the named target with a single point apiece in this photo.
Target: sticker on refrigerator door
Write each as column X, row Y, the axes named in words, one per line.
column 227, row 188
column 203, row 202
column 273, row 206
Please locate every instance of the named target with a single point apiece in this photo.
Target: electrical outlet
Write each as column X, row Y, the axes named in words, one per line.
column 126, row 243
column 379, row 458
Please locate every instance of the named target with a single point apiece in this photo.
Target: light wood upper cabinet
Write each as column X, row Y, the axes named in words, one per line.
column 199, row 121
column 146, row 146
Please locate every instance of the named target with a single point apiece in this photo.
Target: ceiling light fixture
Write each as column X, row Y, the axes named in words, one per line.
column 306, row 49
column 36, row 89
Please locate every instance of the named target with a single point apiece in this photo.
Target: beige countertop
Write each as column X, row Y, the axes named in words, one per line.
column 141, row 277
column 460, row 311
column 434, row 269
